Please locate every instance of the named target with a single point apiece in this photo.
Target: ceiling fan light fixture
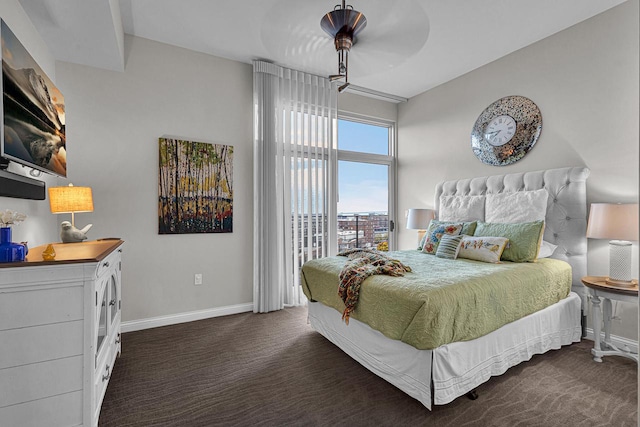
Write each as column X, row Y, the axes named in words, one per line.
column 343, row 87
column 343, row 23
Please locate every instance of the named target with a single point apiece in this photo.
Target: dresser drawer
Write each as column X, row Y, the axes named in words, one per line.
column 36, row 344
column 61, row 410
column 36, row 381
column 41, row 306
column 116, row 344
column 101, row 380
column 112, row 262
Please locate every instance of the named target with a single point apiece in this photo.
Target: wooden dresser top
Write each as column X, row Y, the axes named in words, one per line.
column 69, row 253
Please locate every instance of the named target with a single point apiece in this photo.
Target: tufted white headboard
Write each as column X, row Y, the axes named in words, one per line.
column 566, row 219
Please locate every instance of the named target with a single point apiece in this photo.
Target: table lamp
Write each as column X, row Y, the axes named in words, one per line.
column 71, row 200
column 619, row 224
column 418, row 219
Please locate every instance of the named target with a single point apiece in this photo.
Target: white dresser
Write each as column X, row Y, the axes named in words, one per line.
column 59, row 334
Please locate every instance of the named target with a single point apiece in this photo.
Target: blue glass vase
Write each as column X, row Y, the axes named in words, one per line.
column 9, row 251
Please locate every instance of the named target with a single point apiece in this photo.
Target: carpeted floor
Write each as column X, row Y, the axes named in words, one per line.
column 274, row 370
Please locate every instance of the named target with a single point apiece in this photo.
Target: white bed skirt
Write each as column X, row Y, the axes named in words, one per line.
column 456, row 368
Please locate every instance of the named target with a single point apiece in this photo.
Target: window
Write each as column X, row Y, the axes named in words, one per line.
column 366, row 179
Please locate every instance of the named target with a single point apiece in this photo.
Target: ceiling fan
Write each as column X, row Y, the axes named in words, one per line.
column 396, row 30
column 343, row 24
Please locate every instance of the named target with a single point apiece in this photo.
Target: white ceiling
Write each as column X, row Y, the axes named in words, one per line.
column 407, row 47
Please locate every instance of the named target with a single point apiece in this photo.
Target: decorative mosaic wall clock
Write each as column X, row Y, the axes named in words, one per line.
column 506, row 131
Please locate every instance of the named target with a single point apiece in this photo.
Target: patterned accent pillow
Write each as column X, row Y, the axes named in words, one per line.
column 449, row 246
column 485, row 249
column 467, row 228
column 434, row 234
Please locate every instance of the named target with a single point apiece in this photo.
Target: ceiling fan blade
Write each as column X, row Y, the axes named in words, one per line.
column 404, row 31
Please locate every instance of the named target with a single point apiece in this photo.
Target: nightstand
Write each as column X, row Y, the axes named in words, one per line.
column 600, row 289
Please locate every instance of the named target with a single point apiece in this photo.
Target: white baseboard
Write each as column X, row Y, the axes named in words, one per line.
column 173, row 319
column 619, row 342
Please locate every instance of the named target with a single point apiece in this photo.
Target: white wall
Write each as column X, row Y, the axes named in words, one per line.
column 114, row 122
column 585, row 82
column 41, row 225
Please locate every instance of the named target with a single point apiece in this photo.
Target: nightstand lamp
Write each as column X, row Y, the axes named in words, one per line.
column 71, row 200
column 619, row 224
column 418, row 219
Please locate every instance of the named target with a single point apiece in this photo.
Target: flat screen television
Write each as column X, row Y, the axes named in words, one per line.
column 33, row 130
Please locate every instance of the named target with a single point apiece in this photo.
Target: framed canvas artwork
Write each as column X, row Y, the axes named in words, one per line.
column 195, row 187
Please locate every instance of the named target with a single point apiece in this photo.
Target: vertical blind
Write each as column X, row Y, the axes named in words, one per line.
column 295, row 134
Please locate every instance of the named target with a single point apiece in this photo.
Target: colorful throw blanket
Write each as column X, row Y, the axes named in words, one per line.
column 363, row 263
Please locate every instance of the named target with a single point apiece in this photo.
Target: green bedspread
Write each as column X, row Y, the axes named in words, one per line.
column 442, row 301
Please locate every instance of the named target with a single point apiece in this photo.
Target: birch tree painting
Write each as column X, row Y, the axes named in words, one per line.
column 195, row 187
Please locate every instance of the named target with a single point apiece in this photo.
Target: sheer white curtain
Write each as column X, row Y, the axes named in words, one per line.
column 295, row 134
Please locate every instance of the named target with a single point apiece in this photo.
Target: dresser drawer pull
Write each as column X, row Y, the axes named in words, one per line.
column 106, row 264
column 106, row 377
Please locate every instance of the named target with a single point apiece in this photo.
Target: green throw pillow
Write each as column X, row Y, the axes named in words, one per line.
column 469, row 228
column 524, row 238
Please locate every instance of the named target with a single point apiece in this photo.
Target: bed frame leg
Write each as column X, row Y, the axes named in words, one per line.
column 473, row 394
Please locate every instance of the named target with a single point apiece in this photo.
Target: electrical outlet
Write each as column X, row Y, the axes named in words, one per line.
column 197, row 279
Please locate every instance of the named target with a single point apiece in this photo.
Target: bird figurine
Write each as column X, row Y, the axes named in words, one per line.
column 70, row 234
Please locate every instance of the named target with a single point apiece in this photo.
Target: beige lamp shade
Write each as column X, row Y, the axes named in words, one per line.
column 613, row 221
column 418, row 219
column 70, row 199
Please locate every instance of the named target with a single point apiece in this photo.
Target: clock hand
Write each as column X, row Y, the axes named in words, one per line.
column 493, row 134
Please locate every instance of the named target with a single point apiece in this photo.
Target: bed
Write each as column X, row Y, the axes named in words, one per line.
column 436, row 370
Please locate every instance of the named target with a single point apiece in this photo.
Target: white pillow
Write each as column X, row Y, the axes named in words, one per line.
column 461, row 208
column 485, row 249
column 546, row 249
column 521, row 206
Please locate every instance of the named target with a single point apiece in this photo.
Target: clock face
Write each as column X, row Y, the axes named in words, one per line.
column 506, row 131
column 500, row 130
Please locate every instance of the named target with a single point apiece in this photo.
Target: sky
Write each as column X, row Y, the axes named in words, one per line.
column 362, row 187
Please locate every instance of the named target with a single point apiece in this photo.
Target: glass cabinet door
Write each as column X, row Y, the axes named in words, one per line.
column 102, row 321
column 113, row 298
